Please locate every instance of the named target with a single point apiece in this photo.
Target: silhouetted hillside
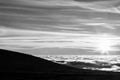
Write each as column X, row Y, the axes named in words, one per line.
column 14, row 65
column 19, row 62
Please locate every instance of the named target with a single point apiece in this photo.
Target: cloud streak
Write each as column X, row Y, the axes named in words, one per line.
column 106, row 25
column 55, row 40
column 31, row 24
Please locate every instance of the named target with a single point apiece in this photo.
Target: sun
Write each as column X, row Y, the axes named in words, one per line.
column 104, row 45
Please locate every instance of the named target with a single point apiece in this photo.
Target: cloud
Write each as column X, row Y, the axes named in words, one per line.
column 30, row 39
column 49, row 3
column 105, row 25
column 56, row 24
column 102, row 6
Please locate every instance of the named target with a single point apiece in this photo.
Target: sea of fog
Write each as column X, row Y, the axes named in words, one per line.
column 92, row 62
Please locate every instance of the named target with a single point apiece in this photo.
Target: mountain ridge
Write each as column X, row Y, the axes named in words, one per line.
column 15, row 65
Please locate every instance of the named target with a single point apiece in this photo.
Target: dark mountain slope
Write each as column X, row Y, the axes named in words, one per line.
column 15, row 65
column 18, row 62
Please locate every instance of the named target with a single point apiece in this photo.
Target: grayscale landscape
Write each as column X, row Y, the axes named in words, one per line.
column 81, row 35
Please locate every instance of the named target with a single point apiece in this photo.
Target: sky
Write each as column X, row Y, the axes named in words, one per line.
column 58, row 27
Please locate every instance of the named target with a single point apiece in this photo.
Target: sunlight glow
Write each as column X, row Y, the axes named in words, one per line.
column 104, row 45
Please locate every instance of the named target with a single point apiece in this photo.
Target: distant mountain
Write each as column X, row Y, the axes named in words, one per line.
column 17, row 64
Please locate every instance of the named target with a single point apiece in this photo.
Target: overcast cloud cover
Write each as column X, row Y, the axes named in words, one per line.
column 59, row 26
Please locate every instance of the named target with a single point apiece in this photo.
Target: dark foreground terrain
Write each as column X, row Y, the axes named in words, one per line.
column 20, row 66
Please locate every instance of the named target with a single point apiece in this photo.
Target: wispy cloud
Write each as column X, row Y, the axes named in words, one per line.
column 106, row 25
column 32, row 24
column 102, row 6
column 29, row 39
